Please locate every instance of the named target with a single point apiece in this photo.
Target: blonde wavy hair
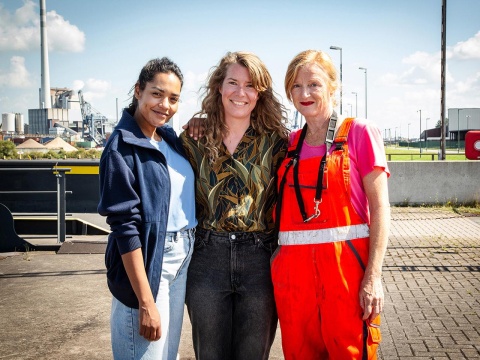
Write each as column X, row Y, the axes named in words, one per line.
column 269, row 114
column 320, row 58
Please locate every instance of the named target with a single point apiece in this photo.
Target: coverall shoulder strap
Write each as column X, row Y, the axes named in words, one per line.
column 342, row 131
column 293, row 145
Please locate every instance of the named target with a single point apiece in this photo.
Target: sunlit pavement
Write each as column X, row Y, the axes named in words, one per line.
column 56, row 306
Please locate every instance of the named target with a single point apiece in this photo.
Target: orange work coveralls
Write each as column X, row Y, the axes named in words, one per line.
column 319, row 265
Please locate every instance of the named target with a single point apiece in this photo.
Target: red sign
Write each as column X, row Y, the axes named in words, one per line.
column 472, row 145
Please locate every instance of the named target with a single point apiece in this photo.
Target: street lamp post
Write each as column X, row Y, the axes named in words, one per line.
column 365, row 71
column 341, row 83
column 420, row 137
column 356, row 107
column 408, row 136
column 426, row 133
column 396, row 136
column 458, row 131
column 351, row 111
column 468, row 118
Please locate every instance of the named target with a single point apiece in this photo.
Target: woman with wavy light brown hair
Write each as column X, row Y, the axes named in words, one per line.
column 229, row 290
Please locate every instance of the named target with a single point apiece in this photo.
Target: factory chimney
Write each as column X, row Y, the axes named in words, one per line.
column 45, row 99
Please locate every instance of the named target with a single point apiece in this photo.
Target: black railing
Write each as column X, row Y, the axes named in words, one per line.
column 61, row 196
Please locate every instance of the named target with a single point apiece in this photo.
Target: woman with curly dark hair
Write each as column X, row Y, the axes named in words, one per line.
column 147, row 195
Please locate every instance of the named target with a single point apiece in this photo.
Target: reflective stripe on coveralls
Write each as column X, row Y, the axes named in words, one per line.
column 317, row 283
column 321, row 236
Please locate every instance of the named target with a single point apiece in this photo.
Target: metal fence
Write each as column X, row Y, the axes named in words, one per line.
column 61, row 195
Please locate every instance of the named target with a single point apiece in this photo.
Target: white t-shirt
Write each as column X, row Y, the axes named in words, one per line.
column 181, row 215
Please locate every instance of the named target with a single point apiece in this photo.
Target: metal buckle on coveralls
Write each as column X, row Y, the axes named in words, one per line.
column 316, row 210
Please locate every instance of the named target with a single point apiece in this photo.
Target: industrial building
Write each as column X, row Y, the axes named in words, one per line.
column 61, row 112
column 12, row 123
column 462, row 120
column 69, row 117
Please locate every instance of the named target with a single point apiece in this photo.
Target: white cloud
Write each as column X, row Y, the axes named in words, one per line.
column 17, row 31
column 389, row 79
column 63, row 36
column 191, row 95
column 192, row 81
column 419, row 86
column 92, row 89
column 465, row 93
column 424, row 69
column 20, row 31
column 97, row 85
column 78, row 84
column 18, row 75
column 469, row 49
column 472, row 84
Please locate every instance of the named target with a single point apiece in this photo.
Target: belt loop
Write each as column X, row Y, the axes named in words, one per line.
column 207, row 235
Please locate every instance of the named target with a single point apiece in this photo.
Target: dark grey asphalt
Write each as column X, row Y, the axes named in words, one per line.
column 55, row 306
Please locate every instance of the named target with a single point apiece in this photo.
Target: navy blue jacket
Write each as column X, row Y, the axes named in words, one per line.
column 135, row 196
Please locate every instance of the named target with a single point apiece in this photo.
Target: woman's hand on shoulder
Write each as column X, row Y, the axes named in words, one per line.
column 195, row 127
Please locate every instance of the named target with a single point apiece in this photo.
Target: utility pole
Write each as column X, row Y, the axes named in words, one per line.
column 420, row 137
column 442, row 72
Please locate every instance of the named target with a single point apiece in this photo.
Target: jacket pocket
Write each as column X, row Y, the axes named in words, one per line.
column 267, row 243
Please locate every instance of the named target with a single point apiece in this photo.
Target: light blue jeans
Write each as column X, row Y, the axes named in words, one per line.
column 124, row 323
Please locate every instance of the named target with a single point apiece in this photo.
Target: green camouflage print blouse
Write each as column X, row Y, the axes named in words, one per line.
column 237, row 193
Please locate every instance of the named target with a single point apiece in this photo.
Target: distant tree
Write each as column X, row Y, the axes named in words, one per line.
column 52, row 155
column 439, row 123
column 7, row 150
column 34, row 155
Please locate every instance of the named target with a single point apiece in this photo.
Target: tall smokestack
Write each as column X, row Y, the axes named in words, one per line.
column 45, row 101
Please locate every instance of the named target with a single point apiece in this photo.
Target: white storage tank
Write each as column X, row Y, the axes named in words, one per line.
column 8, row 122
column 19, row 123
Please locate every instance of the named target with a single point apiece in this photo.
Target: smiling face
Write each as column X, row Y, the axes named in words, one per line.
column 239, row 97
column 158, row 102
column 311, row 93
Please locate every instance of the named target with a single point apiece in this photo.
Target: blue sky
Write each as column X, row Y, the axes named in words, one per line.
column 100, row 47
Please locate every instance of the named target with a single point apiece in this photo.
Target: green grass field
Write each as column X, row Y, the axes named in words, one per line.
column 405, row 154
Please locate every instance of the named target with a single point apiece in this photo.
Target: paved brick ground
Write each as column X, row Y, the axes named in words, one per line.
column 57, row 306
column 432, row 283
